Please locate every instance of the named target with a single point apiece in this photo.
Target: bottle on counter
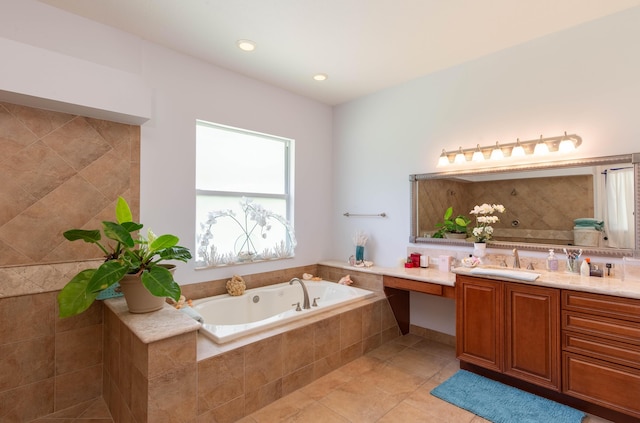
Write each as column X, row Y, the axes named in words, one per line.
column 552, row 261
column 585, row 267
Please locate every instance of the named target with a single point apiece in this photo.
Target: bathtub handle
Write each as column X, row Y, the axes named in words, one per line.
column 315, row 303
column 297, row 306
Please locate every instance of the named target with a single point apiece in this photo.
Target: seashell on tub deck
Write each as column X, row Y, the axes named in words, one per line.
column 227, row 317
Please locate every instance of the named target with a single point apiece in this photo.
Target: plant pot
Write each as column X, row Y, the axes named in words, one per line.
column 453, row 235
column 139, row 299
column 479, row 249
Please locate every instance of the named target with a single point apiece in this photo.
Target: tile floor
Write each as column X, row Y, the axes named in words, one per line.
column 389, row 384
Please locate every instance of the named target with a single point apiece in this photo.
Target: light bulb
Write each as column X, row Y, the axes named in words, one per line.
column 496, row 153
column 518, row 150
column 541, row 148
column 459, row 159
column 477, row 155
column 566, row 145
column 443, row 160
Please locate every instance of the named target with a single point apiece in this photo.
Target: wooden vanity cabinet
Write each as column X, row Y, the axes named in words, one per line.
column 601, row 350
column 510, row 328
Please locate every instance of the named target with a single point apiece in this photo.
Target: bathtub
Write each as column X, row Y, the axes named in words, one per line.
column 227, row 318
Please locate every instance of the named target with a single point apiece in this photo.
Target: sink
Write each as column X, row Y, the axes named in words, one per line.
column 517, row 274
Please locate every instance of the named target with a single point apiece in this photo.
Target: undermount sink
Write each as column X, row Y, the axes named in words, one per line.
column 518, row 274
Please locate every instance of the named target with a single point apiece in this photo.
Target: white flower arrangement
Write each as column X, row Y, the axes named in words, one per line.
column 483, row 231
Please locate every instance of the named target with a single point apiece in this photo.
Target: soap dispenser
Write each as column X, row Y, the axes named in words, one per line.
column 552, row 261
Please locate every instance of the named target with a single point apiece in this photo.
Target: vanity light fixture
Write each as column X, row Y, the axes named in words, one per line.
column 519, row 150
column 496, row 153
column 246, row 45
column 477, row 155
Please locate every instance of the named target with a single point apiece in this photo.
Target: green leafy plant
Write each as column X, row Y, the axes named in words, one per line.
column 450, row 224
column 124, row 255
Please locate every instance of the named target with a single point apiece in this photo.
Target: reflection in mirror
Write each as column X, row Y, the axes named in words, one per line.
column 588, row 203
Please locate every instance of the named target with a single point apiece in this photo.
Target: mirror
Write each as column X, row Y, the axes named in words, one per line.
column 542, row 204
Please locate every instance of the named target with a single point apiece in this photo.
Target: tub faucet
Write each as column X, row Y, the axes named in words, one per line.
column 305, row 304
column 516, row 259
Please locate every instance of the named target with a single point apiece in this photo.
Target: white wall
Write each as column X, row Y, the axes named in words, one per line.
column 170, row 91
column 584, row 80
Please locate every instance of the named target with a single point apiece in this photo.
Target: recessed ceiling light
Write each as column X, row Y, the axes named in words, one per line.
column 320, row 77
column 246, row 45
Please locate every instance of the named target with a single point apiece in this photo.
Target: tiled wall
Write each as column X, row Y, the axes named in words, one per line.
column 60, row 171
column 47, row 364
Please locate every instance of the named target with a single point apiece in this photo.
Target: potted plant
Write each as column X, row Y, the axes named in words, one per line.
column 452, row 225
column 131, row 261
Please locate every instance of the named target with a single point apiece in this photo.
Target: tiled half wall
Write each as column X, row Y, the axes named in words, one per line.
column 60, row 171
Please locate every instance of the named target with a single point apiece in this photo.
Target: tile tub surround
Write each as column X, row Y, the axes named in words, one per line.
column 186, row 377
column 47, row 364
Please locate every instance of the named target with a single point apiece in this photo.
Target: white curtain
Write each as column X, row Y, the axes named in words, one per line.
column 619, row 208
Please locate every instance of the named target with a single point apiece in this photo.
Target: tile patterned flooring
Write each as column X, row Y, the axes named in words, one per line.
column 390, row 384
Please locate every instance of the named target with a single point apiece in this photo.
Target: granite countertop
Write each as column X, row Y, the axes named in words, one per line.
column 563, row 280
column 154, row 326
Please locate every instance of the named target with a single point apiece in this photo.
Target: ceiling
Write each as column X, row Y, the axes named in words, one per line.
column 362, row 45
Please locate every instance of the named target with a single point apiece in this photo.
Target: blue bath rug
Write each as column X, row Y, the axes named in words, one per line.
column 500, row 403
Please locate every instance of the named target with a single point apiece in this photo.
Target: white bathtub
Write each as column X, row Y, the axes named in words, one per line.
column 227, row 318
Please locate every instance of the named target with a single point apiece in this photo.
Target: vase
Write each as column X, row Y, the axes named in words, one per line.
column 359, row 253
column 139, row 299
column 479, row 249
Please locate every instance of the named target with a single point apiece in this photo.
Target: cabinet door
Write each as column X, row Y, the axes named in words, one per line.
column 479, row 322
column 532, row 335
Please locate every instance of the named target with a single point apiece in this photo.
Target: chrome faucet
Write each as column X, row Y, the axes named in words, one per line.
column 516, row 259
column 305, row 303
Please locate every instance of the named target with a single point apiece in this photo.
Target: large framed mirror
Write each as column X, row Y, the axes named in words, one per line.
column 546, row 204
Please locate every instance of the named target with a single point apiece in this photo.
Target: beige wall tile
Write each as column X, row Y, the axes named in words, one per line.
column 371, row 319
column 263, row 363
column 18, row 314
column 220, row 380
column 78, row 348
column 297, row 349
column 171, row 354
column 172, row 396
column 326, row 337
column 75, row 387
column 27, row 402
column 265, row 394
column 25, row 362
column 350, row 327
column 297, row 379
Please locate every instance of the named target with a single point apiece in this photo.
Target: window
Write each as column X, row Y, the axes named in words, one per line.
column 243, row 196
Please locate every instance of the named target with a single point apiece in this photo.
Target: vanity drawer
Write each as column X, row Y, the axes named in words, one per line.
column 604, row 327
column 604, row 349
column 603, row 305
column 606, row 384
